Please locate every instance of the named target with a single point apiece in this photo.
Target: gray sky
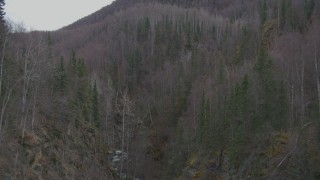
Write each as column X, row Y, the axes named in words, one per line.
column 50, row 14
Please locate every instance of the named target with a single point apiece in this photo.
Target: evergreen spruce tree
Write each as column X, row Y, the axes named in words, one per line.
column 245, row 98
column 2, row 13
column 95, row 105
column 83, row 100
column 283, row 13
column 81, row 68
column 239, row 115
column 50, row 42
column 202, row 119
column 309, row 6
column 143, row 29
column 221, row 75
column 72, row 66
column 60, row 77
column 263, row 11
column 3, row 28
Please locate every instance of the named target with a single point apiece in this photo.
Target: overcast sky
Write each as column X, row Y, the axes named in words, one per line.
column 50, row 14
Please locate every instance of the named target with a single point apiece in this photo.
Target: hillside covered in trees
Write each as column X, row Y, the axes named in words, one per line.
column 165, row 89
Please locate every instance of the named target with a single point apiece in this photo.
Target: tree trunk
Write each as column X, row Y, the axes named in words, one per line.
column 317, row 77
column 302, row 93
column 34, row 106
column 2, row 62
column 6, row 101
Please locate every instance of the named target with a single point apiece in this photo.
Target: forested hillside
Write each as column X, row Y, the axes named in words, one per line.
column 165, row 89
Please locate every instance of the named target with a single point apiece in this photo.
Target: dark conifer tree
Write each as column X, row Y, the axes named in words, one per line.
column 263, row 11
column 95, row 105
column 2, row 13
column 60, row 77
column 2, row 21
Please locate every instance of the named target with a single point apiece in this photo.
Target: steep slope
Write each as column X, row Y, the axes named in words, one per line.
column 203, row 69
column 169, row 89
